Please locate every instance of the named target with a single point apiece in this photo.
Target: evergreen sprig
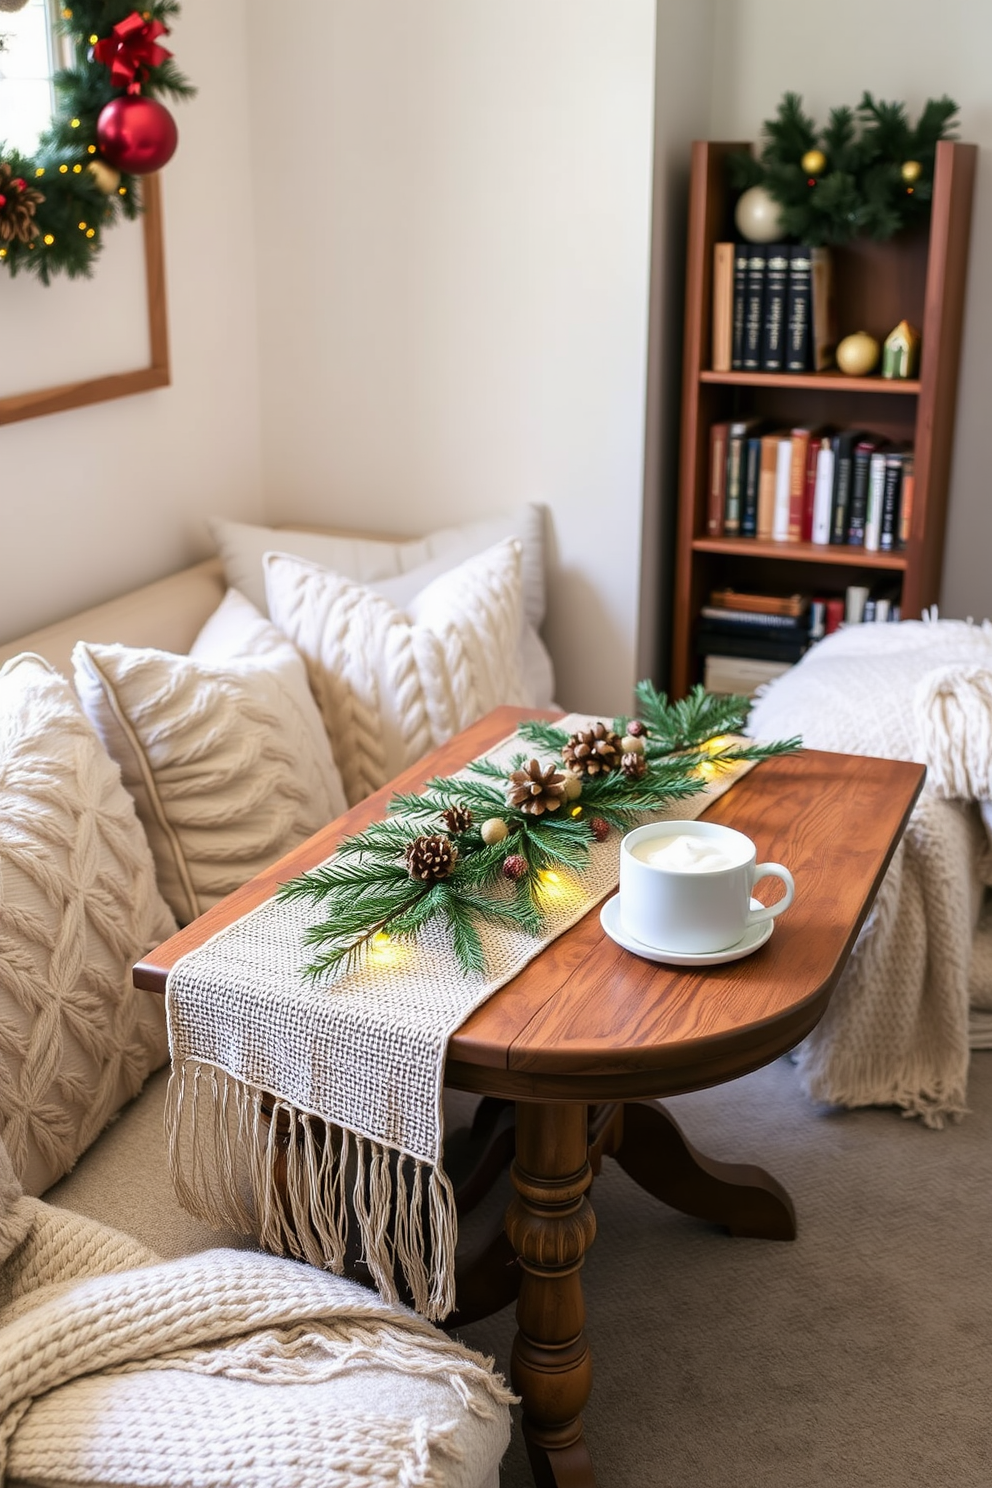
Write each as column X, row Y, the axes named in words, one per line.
column 368, row 889
column 58, row 169
column 861, row 192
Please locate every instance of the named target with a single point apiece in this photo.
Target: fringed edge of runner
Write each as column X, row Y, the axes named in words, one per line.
column 224, row 1136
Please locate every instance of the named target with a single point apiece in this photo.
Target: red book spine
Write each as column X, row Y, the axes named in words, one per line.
column 809, row 490
column 797, row 483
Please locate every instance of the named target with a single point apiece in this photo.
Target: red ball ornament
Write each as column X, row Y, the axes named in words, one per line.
column 136, row 134
column 599, row 828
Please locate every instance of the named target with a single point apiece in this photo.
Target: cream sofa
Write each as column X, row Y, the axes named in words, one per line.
column 121, row 1180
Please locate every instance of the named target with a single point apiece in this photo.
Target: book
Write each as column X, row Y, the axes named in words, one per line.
column 802, row 438
column 855, row 599
column 717, row 489
column 823, row 494
column 890, row 501
column 766, row 484
column 773, row 307
column 740, row 676
column 857, row 515
column 876, row 490
column 762, row 604
column 817, row 619
column 754, row 308
column 737, row 437
column 772, row 647
column 754, row 622
column 809, row 491
column 823, row 315
column 740, row 288
column 723, row 307
column 834, row 609
column 906, row 506
column 797, row 310
column 843, row 447
column 749, row 495
column 783, row 484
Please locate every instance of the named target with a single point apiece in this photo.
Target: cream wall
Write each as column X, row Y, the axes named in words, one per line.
column 97, row 500
column 464, row 323
column 898, row 49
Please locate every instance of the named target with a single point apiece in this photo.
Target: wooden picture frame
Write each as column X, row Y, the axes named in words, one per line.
column 117, row 384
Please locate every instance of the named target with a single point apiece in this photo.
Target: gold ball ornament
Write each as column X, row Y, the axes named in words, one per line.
column 814, row 162
column 494, row 830
column 911, row 171
column 104, row 176
column 572, row 788
column 758, row 216
column 857, row 355
column 632, row 744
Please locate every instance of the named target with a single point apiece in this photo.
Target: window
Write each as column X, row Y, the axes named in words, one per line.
column 28, row 56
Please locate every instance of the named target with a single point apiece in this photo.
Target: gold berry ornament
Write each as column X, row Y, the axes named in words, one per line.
column 572, row 788
column 632, row 744
column 104, row 176
column 857, row 355
column 911, row 171
column 814, row 162
column 494, row 830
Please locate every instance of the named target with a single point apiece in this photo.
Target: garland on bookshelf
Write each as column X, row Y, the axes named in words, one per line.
column 813, row 484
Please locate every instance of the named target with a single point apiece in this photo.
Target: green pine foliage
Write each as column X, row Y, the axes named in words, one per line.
column 861, row 192
column 65, row 149
column 366, row 890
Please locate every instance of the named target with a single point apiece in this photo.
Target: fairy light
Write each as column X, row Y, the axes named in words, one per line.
column 73, row 123
column 385, row 951
column 40, row 170
column 76, row 169
column 91, row 232
column 49, row 239
column 94, row 39
column 63, row 169
column 91, row 149
column 82, row 227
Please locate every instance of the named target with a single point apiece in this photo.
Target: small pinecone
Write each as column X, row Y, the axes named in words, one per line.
column 599, row 828
column 633, row 766
column 430, row 859
column 18, row 202
column 457, row 818
column 593, row 751
column 535, row 790
column 515, row 867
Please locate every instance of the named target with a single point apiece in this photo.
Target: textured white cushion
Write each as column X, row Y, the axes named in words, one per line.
column 78, row 905
column 400, row 569
column 392, row 684
column 223, row 750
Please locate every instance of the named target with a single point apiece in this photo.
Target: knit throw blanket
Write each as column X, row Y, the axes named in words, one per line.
column 897, row 1028
column 81, row 1306
column 296, row 1111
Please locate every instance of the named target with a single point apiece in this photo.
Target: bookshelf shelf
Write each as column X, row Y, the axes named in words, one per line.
column 919, row 276
column 827, row 382
column 750, row 547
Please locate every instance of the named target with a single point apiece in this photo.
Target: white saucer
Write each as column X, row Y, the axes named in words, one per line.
column 754, row 938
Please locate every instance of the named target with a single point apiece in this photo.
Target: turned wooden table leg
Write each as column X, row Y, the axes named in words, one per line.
column 551, row 1225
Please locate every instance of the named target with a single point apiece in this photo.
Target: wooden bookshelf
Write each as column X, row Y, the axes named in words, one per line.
column 918, row 276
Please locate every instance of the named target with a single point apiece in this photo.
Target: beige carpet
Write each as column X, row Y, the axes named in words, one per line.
column 859, row 1356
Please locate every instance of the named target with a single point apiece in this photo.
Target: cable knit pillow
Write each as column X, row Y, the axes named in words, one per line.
column 391, row 684
column 78, row 905
column 223, row 750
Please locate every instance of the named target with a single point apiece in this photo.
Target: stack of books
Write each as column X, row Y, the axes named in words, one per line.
column 809, row 484
column 773, row 308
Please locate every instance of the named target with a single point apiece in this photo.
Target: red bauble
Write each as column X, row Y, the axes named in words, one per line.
column 136, row 134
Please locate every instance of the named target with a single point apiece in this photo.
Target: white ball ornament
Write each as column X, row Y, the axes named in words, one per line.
column 758, row 216
column 494, row 830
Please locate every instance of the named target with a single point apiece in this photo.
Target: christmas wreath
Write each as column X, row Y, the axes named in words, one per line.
column 108, row 128
column 484, row 845
column 869, row 173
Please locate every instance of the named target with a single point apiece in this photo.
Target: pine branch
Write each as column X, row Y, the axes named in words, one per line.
column 543, row 735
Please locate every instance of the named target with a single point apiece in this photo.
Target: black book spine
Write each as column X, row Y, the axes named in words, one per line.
column 842, row 489
column 736, row 456
column 798, row 353
column 858, row 509
column 773, row 313
column 754, row 299
column 740, row 295
column 763, row 647
column 890, row 503
column 749, row 496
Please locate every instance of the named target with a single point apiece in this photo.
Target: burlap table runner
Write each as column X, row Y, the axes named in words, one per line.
column 264, row 1063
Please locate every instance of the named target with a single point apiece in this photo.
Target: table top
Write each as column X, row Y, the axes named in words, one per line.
column 586, row 1019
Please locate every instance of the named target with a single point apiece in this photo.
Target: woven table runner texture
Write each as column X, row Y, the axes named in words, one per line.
column 362, row 1051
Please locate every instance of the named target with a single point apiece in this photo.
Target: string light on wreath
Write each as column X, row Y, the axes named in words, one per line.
column 109, row 126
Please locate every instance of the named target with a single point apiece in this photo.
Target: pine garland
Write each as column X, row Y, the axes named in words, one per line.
column 70, row 220
column 877, row 177
column 368, row 889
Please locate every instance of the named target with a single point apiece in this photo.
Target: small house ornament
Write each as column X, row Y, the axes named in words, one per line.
column 901, row 353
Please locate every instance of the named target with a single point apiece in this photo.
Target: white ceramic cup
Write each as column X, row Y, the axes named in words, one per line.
column 699, row 900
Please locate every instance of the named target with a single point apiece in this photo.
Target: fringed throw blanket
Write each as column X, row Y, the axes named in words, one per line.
column 90, row 1321
column 297, row 1109
column 897, row 1028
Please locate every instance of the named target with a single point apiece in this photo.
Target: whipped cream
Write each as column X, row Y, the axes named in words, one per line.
column 685, row 854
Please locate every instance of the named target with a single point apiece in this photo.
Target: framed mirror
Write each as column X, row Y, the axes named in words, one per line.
column 30, row 51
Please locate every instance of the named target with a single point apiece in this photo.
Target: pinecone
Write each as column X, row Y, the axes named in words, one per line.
column 633, row 765
column 593, row 751
column 18, row 202
column 535, row 790
column 430, row 859
column 457, row 818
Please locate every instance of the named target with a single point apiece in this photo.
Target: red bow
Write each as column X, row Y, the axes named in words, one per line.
column 131, row 49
